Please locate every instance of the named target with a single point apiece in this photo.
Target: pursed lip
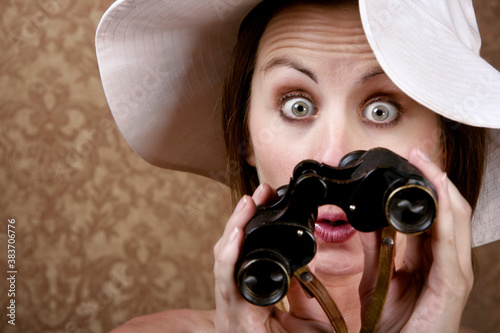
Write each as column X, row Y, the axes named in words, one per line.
column 332, row 225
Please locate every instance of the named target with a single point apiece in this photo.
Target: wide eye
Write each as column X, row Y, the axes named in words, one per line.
column 298, row 107
column 380, row 112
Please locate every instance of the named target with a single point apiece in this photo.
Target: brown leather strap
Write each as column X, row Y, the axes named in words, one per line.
column 385, row 271
column 315, row 288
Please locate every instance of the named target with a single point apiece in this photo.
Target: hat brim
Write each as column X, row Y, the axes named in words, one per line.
column 162, row 65
column 486, row 219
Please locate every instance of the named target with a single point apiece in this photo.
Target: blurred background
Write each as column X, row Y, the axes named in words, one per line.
column 102, row 236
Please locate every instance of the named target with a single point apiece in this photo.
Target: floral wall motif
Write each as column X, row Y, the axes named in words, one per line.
column 101, row 236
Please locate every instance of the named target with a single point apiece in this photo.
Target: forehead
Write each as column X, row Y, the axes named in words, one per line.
column 316, row 32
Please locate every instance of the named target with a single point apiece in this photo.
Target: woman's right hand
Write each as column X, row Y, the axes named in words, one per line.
column 233, row 312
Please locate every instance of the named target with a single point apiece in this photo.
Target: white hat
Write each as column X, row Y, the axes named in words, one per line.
column 162, row 65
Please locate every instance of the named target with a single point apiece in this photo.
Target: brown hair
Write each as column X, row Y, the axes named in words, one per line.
column 465, row 157
column 464, row 146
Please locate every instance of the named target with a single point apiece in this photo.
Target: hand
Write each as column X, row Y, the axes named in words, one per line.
column 233, row 312
column 429, row 290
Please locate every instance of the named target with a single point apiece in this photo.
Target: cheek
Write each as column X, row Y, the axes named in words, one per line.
column 428, row 135
column 423, row 131
column 433, row 144
column 274, row 162
column 272, row 155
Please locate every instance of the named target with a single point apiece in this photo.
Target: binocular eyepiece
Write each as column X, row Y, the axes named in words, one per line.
column 375, row 188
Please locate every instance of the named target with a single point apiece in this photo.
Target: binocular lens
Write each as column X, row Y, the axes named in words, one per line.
column 411, row 209
column 263, row 281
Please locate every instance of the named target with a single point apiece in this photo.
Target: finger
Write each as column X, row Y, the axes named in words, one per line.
column 264, row 195
column 443, row 230
column 232, row 223
column 227, row 252
column 462, row 213
column 458, row 213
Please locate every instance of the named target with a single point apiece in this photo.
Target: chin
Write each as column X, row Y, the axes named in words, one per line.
column 339, row 259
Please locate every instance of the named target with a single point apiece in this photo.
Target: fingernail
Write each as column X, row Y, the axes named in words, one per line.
column 257, row 192
column 241, row 204
column 423, row 155
column 233, row 235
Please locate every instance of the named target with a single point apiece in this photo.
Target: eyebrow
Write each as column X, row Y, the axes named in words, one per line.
column 286, row 62
column 371, row 74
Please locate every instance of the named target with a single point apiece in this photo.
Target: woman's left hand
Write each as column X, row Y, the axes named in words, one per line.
column 429, row 290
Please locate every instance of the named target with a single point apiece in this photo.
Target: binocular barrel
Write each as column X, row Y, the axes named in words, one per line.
column 411, row 208
column 269, row 261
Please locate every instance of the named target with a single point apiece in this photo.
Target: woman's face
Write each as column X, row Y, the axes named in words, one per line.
column 319, row 93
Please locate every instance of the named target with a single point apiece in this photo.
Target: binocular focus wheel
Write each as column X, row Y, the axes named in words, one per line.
column 351, row 158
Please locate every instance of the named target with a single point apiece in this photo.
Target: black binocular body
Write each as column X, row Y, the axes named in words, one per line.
column 375, row 188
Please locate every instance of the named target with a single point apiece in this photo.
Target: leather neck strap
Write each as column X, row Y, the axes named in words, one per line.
column 316, row 289
column 385, row 270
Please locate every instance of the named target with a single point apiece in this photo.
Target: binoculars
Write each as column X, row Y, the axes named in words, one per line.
column 375, row 188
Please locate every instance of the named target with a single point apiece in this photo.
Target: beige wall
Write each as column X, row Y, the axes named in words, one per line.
column 101, row 235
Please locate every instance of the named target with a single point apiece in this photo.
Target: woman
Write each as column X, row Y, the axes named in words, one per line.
column 315, row 80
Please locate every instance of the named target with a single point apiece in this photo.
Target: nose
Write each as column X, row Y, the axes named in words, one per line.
column 335, row 139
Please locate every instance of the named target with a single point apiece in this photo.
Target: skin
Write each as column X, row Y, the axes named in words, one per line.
column 304, row 53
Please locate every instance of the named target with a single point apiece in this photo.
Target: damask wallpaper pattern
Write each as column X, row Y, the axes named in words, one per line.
column 101, row 236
